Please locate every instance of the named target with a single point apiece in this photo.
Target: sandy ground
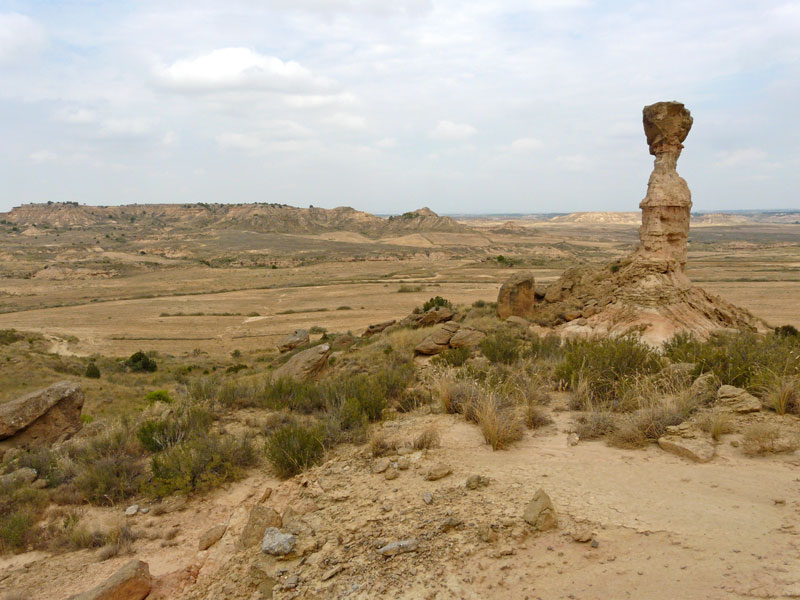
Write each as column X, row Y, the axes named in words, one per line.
column 666, row 528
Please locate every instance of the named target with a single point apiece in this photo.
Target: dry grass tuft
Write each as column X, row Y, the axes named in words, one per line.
column 501, row 425
column 767, row 438
column 595, row 424
column 429, row 438
column 716, row 423
column 781, row 393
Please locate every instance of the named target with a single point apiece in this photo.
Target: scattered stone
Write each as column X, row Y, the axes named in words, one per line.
column 296, row 339
column 377, row 328
column 540, row 512
column 403, row 464
column 582, row 535
column 486, row 534
column 405, row 451
column 705, row 387
column 211, row 537
column 427, row 497
column 131, row 582
column 381, row 465
column 400, row 547
column 449, row 523
column 391, row 474
column 261, row 517
column 517, row 296
column 43, row 417
column 277, row 543
column 689, row 442
column 131, row 510
column 144, row 510
column 291, row 582
column 437, row 471
column 573, row 439
column 20, row 476
column 476, row 481
column 265, row 496
column 304, row 365
column 737, row 400
column 333, row 572
column 595, row 543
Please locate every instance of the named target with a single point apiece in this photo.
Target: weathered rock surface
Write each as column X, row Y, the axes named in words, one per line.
column 296, row 339
column 342, row 342
column 437, row 471
column 705, row 387
column 211, row 537
column 377, row 328
column 261, row 517
column 437, row 314
column 688, row 441
column 19, row 476
column 304, row 365
column 43, row 417
column 517, row 296
column 466, row 337
column 277, row 543
column 737, row 400
column 540, row 512
column 439, row 340
column 131, row 582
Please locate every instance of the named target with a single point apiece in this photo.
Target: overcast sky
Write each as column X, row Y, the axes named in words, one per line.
column 390, row 105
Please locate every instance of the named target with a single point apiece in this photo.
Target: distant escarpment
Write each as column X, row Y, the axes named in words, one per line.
column 265, row 218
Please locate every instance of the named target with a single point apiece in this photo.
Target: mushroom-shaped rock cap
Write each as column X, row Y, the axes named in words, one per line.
column 666, row 125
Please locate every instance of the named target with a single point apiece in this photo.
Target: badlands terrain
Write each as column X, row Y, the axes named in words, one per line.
column 666, row 472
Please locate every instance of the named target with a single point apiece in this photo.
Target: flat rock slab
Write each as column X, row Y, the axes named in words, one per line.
column 737, row 400
column 131, row 582
column 43, row 417
column 304, row 365
column 697, row 449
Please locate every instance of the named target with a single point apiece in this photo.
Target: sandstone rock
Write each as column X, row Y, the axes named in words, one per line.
column 43, row 417
column 211, row 537
column 540, row 512
column 688, row 441
column 132, row 510
column 131, row 582
column 439, row 340
column 342, row 342
column 380, row 465
column 19, row 476
column 517, row 296
column 705, row 387
column 737, row 400
column 582, row 535
column 260, row 518
column 666, row 207
column 403, row 464
column 304, row 365
column 391, row 474
column 515, row 320
column 438, row 314
column 427, row 497
column 466, row 337
column 399, row 547
column 377, row 328
column 437, row 471
column 476, row 481
column 277, row 543
column 296, row 339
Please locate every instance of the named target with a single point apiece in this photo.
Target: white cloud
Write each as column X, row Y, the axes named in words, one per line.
column 19, row 36
column 239, row 141
column 78, row 115
column 386, row 143
column 343, row 100
column 41, row 156
column 447, row 130
column 347, row 121
column 526, row 144
column 574, row 162
column 227, row 69
column 126, row 127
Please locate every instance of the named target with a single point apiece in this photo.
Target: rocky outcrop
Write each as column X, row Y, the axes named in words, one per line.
column 466, row 337
column 437, row 314
column 43, row 417
column 439, row 340
column 377, row 328
column 737, row 400
column 304, row 365
column 131, row 582
column 517, row 296
column 297, row 339
column 648, row 291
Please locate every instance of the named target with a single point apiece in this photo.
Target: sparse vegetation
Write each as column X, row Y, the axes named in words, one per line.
column 139, row 362
column 293, row 448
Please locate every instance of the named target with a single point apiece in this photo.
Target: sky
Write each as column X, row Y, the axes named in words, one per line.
column 390, row 105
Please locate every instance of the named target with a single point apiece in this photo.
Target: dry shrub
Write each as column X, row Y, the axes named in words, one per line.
column 716, row 423
column 380, row 444
column 429, row 438
column 767, row 438
column 647, row 424
column 500, row 424
column 781, row 393
column 595, row 424
column 536, row 416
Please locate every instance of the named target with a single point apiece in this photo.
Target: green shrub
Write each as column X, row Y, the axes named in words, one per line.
column 346, row 422
column 200, row 463
column 787, row 331
column 16, row 528
column 435, row 302
column 455, row 357
column 602, row 367
column 300, row 396
column 501, row 347
column 92, row 372
column 294, row 448
column 51, row 467
column 139, row 362
column 548, row 347
column 159, row 435
column 110, row 479
column 159, row 396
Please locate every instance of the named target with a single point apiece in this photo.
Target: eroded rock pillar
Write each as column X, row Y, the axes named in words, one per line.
column 666, row 208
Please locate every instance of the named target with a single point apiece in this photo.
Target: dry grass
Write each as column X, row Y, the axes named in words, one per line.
column 428, row 439
column 716, row 423
column 781, row 393
column 500, row 424
column 595, row 424
column 768, row 438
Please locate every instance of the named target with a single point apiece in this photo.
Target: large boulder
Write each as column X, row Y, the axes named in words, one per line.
column 737, row 400
column 297, row 339
column 43, row 417
column 131, row 582
column 466, row 337
column 304, row 365
column 517, row 296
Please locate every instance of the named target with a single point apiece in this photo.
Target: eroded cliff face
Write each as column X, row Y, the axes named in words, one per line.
column 666, row 208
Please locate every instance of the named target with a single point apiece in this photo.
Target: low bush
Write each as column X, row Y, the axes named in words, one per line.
column 429, row 438
column 536, row 416
column 139, row 362
column 767, row 438
column 110, row 479
column 500, row 423
column 200, row 463
column 92, row 372
column 595, row 424
column 293, row 448
column 20, row 508
column 454, row 357
column 716, row 423
column 781, row 393
column 548, row 347
column 159, row 396
column 52, row 467
column 501, row 347
column 9, row 336
column 436, row 302
column 644, row 425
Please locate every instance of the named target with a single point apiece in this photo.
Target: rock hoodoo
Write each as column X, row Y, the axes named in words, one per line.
column 647, row 291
